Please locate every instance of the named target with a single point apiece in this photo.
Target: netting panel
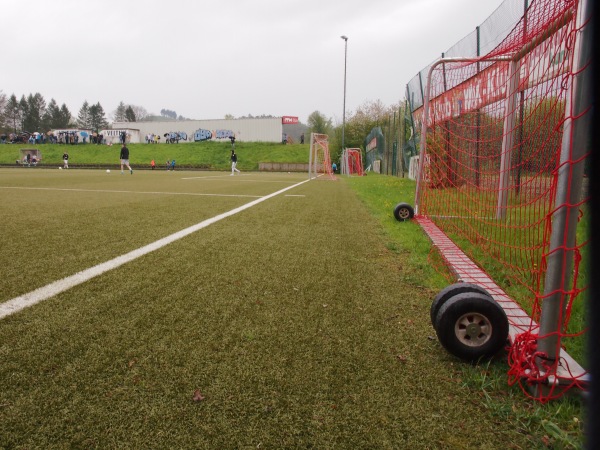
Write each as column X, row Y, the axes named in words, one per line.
column 319, row 158
column 352, row 162
column 491, row 171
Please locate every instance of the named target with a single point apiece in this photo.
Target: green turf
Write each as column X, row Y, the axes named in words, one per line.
column 302, row 322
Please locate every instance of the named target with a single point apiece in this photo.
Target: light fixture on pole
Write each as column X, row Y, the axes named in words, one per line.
column 345, row 38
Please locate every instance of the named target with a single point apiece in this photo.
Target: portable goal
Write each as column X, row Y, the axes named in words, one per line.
column 502, row 181
column 319, row 160
column 352, row 163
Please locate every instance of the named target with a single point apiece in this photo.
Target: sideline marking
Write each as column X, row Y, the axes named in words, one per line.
column 50, row 290
column 112, row 191
column 238, row 180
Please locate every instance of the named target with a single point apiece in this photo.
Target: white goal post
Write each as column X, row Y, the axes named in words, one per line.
column 319, row 160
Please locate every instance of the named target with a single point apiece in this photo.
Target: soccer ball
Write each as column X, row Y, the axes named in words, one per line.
column 60, row 168
column 107, row 170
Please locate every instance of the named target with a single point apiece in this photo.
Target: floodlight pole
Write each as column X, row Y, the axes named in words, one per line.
column 345, row 38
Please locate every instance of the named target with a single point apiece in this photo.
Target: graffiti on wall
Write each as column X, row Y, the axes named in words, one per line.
column 202, row 135
column 224, row 134
column 206, row 135
column 173, row 137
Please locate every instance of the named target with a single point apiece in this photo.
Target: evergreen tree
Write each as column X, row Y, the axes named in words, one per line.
column 23, row 107
column 83, row 119
column 129, row 114
column 47, row 123
column 97, row 118
column 52, row 118
column 65, row 117
column 33, row 113
column 119, row 113
column 12, row 112
column 3, row 103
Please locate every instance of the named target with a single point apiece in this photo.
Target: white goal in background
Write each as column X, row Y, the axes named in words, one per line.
column 319, row 160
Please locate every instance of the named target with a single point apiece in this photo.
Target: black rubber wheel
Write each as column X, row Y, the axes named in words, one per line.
column 472, row 326
column 403, row 211
column 450, row 291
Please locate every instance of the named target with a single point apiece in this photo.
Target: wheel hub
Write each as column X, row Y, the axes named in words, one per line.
column 473, row 329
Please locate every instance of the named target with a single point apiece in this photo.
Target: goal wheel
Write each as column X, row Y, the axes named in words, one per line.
column 403, row 211
column 472, row 326
column 450, row 291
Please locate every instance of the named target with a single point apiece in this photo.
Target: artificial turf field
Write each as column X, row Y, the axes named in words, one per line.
column 293, row 323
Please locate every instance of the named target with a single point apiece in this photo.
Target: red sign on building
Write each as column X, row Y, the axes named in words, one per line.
column 289, row 120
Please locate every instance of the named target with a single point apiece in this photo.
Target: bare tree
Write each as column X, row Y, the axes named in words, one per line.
column 3, row 102
column 139, row 112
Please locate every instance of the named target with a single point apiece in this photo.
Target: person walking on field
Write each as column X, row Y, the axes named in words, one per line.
column 125, row 159
column 233, row 163
column 152, row 164
column 65, row 160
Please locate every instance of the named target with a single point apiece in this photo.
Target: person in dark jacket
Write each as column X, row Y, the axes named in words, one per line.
column 233, row 163
column 125, row 159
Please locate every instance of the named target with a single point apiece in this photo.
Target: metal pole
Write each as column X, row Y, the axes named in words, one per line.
column 478, row 121
column 521, row 134
column 310, row 154
column 345, row 38
column 575, row 144
column 508, row 140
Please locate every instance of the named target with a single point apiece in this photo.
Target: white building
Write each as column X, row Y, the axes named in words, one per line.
column 113, row 136
column 244, row 130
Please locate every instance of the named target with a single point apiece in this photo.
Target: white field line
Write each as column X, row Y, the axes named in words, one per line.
column 45, row 292
column 110, row 191
column 236, row 179
column 221, row 175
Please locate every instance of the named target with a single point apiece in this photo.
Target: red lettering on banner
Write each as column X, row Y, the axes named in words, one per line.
column 543, row 63
column 289, row 120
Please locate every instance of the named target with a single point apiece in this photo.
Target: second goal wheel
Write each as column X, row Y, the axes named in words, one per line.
column 450, row 291
column 403, row 211
column 472, row 326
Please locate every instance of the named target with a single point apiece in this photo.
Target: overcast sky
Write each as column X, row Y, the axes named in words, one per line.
column 208, row 58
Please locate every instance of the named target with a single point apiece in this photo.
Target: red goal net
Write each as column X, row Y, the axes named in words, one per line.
column 352, row 163
column 503, row 174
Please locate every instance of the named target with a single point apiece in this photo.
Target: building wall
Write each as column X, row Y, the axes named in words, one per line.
column 245, row 130
column 113, row 136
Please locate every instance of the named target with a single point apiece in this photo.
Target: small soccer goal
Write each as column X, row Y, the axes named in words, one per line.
column 352, row 163
column 319, row 160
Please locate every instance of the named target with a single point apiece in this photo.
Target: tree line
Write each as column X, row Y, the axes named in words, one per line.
column 359, row 123
column 31, row 113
